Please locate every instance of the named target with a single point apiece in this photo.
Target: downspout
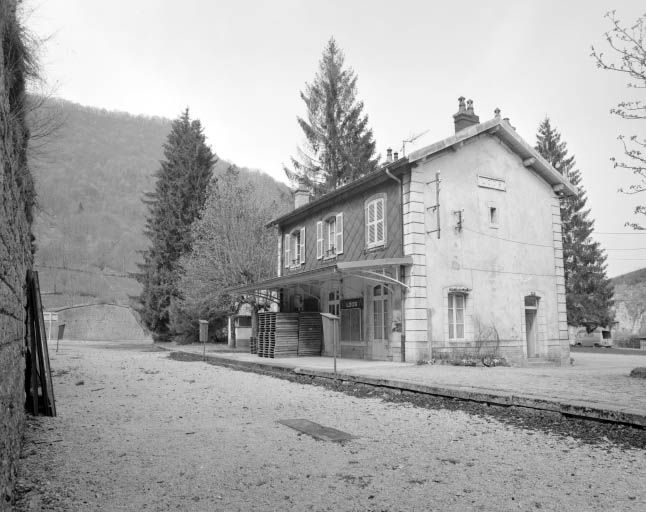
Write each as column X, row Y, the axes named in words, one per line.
column 402, row 343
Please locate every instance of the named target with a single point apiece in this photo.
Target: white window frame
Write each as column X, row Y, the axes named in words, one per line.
column 295, row 248
column 453, row 317
column 381, row 307
column 319, row 240
column 373, row 202
column 329, row 237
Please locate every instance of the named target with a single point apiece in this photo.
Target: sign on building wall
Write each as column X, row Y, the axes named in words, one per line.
column 352, row 303
column 494, row 183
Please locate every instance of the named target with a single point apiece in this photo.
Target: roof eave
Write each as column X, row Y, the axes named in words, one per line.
column 503, row 130
column 375, row 176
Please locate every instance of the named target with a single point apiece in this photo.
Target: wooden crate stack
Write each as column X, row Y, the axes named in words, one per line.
column 286, row 336
column 253, row 344
column 277, row 335
column 310, row 334
column 266, row 333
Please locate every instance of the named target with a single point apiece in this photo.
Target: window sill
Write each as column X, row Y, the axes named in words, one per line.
column 373, row 248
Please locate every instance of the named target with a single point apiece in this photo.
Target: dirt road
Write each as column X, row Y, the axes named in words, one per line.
column 139, row 431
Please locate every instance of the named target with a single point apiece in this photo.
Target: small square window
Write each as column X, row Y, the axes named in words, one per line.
column 493, row 215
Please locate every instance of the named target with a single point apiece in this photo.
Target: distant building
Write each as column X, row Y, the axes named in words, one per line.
column 451, row 249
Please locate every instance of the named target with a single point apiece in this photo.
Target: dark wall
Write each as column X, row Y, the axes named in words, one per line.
column 354, row 243
column 16, row 199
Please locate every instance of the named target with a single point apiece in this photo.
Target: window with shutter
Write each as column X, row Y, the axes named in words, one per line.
column 339, row 233
column 319, row 240
column 331, row 236
column 302, row 246
column 287, row 244
column 375, row 222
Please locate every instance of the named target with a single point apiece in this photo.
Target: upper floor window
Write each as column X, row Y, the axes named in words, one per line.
column 456, row 315
column 375, row 223
column 294, row 244
column 329, row 236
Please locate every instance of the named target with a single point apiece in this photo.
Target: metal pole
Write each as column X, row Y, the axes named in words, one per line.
column 334, row 323
column 437, row 201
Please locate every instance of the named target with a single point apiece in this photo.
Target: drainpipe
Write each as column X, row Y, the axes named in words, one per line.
column 403, row 292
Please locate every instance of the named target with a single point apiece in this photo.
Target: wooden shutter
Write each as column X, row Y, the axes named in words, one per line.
column 287, row 243
column 370, row 223
column 380, row 235
column 302, row 251
column 339, row 233
column 319, row 240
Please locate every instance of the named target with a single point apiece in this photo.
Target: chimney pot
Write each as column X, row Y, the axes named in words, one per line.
column 389, row 155
column 396, row 156
column 465, row 115
column 497, row 113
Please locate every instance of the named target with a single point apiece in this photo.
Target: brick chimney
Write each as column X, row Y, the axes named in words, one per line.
column 301, row 195
column 465, row 116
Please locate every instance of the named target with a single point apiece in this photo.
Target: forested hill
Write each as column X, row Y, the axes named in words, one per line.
column 91, row 173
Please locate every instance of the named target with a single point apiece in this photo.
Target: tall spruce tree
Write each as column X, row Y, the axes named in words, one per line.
column 339, row 145
column 180, row 191
column 588, row 291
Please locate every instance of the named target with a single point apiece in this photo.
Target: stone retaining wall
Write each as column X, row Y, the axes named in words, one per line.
column 16, row 200
column 100, row 322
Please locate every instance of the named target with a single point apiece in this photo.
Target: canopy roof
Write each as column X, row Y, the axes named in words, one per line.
column 364, row 269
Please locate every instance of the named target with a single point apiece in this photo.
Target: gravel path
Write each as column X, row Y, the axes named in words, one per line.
column 139, row 431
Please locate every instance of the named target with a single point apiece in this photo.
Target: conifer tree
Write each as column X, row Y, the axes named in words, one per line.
column 339, row 145
column 179, row 195
column 588, row 291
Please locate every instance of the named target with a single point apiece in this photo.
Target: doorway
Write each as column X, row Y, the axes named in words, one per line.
column 531, row 334
column 381, row 322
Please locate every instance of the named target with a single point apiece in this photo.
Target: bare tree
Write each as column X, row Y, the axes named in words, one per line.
column 628, row 57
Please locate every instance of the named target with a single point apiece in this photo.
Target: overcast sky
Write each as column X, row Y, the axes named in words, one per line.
column 240, row 65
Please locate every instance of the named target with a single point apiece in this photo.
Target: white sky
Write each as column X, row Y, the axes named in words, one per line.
column 240, row 65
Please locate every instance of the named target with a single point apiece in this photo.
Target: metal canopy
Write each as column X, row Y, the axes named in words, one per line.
column 362, row 269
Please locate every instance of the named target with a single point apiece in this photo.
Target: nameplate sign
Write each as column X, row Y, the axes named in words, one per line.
column 352, row 303
column 494, row 183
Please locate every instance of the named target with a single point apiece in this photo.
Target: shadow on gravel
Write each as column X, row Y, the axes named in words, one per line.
column 583, row 430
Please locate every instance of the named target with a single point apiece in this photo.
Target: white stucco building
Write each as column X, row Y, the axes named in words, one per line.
column 455, row 249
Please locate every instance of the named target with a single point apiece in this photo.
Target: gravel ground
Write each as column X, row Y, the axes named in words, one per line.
column 138, row 430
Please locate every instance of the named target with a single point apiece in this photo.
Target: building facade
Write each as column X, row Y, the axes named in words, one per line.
column 453, row 251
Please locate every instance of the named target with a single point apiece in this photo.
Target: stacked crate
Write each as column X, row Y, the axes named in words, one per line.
column 277, row 335
column 253, row 344
column 266, row 333
column 285, row 342
column 310, row 334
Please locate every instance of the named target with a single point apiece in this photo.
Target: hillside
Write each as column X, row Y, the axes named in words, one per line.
column 91, row 173
column 630, row 303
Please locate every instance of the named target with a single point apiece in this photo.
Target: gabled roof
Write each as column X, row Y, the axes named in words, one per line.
column 498, row 127
column 505, row 132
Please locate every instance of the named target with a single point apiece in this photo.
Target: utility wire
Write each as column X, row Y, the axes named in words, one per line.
column 550, row 246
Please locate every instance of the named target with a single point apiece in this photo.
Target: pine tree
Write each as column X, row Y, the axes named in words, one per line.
column 179, row 195
column 339, row 145
column 588, row 291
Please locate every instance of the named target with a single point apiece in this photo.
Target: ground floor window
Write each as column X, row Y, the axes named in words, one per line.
column 333, row 303
column 456, row 316
column 381, row 320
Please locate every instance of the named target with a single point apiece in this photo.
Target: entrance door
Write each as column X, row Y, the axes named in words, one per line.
column 380, row 322
column 531, row 310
